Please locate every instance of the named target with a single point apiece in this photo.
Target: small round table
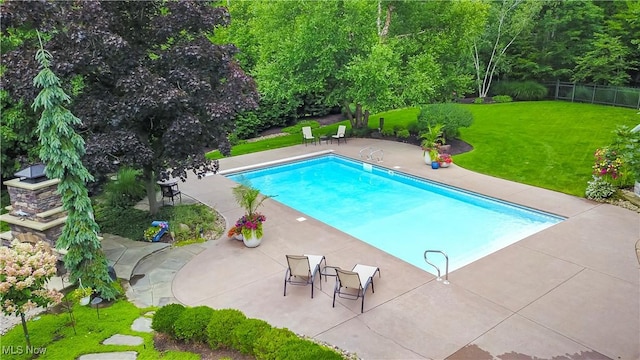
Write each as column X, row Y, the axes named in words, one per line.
column 329, row 271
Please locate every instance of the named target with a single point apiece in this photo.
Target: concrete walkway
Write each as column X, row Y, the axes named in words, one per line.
column 570, row 291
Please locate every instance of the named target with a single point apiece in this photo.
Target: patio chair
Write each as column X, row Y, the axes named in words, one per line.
column 302, row 270
column 340, row 134
column 353, row 284
column 307, row 135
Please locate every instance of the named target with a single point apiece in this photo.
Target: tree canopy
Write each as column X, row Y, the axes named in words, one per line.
column 151, row 89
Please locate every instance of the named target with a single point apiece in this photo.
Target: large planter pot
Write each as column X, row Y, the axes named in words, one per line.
column 427, row 158
column 636, row 188
column 252, row 240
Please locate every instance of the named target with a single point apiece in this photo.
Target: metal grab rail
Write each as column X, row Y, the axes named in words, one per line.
column 379, row 159
column 372, row 151
column 446, row 274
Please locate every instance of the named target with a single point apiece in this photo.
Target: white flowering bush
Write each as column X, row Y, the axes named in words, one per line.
column 24, row 272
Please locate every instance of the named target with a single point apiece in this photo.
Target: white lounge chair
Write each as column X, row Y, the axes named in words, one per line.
column 302, row 270
column 341, row 134
column 307, row 135
column 353, row 284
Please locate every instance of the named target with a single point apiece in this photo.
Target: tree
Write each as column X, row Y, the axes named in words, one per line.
column 156, row 92
column 24, row 272
column 561, row 35
column 507, row 20
column 360, row 55
column 606, row 64
column 62, row 149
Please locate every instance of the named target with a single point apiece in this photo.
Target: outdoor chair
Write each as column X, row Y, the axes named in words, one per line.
column 340, row 134
column 353, row 284
column 170, row 191
column 307, row 135
column 302, row 270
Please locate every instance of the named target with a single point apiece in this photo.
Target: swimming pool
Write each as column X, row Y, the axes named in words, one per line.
column 400, row 214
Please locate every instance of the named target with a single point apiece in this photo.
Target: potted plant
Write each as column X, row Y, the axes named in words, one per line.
column 431, row 140
column 82, row 295
column 445, row 160
column 235, row 232
column 250, row 225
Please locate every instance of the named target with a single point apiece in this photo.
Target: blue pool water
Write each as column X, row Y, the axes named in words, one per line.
column 398, row 213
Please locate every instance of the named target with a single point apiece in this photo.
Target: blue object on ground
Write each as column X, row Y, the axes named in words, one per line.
column 164, row 226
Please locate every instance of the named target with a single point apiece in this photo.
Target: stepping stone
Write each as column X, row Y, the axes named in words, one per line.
column 142, row 324
column 118, row 355
column 119, row 339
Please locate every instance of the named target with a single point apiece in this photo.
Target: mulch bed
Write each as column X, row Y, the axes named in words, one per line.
column 163, row 342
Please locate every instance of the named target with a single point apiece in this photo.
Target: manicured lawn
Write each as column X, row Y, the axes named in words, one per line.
column 549, row 144
column 54, row 335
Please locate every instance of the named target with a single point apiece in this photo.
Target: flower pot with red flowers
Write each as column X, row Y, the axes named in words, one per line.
column 445, row 160
column 250, row 224
column 235, row 233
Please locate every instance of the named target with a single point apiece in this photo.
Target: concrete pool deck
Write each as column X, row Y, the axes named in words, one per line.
column 571, row 291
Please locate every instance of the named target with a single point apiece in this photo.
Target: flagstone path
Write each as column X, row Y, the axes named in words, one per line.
column 141, row 324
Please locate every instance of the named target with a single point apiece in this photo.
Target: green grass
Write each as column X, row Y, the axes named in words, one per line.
column 549, row 144
column 54, row 334
column 294, row 138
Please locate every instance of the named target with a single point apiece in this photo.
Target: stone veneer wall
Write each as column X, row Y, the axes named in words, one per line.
column 34, row 201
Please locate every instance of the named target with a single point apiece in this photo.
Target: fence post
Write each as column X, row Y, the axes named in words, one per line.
column 557, row 88
column 593, row 95
column 573, row 92
column 615, row 97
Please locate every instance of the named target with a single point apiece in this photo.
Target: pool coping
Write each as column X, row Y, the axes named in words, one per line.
column 526, row 299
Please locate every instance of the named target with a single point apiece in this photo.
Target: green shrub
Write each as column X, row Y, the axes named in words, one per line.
column 165, row 317
column 502, row 98
column 126, row 189
column 583, row 93
column 361, row 132
column 221, row 325
column 297, row 128
column 452, row 116
column 247, row 125
column 267, row 345
column 388, row 132
column 413, row 128
column 192, row 324
column 246, row 333
column 478, row 100
column 197, row 217
column 300, row 349
column 599, row 189
column 628, row 96
column 403, row 134
column 521, row 90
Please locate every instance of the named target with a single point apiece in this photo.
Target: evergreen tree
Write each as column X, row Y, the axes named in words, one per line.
column 62, row 149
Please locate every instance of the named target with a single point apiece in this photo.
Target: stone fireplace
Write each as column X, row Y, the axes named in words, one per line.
column 36, row 211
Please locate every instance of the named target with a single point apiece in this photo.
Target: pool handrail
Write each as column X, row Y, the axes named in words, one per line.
column 446, row 274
